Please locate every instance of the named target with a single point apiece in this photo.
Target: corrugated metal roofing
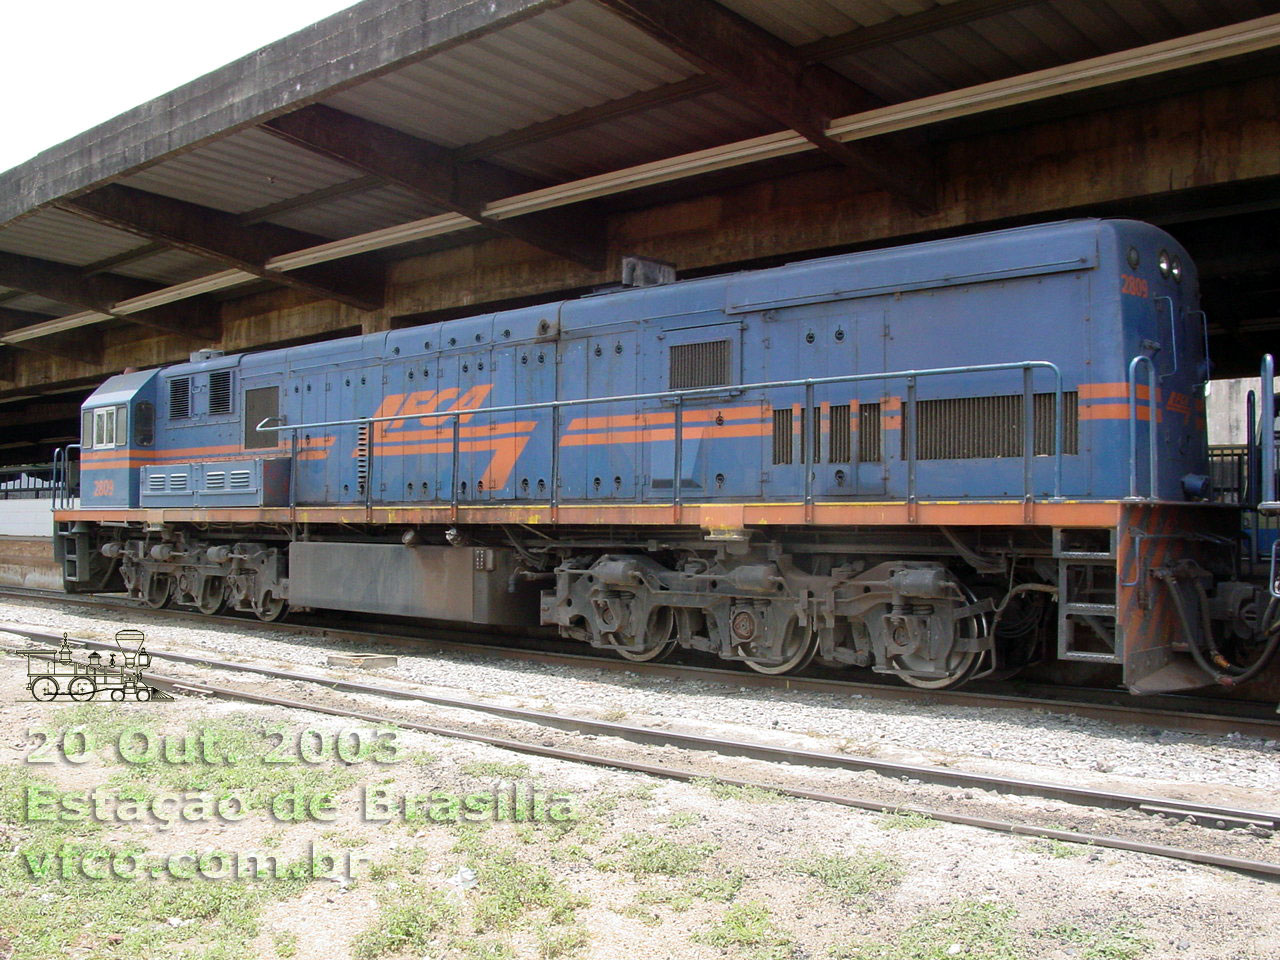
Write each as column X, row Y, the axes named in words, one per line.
column 580, row 56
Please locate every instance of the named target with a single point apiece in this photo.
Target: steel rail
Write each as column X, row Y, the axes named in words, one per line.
column 1196, row 721
column 1256, row 868
column 1210, row 815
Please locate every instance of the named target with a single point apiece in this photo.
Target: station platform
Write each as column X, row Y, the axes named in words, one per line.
column 26, row 544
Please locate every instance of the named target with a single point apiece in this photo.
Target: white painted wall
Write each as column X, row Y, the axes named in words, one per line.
column 1225, row 407
column 27, row 518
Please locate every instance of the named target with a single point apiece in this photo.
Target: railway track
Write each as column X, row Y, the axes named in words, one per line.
column 1182, row 713
column 1203, row 814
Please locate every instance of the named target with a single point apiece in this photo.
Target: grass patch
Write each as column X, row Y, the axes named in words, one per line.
column 730, row 791
column 508, row 889
column 850, row 877
column 496, row 770
column 906, row 820
column 647, row 854
column 748, row 929
column 982, row 931
column 403, row 927
column 614, row 716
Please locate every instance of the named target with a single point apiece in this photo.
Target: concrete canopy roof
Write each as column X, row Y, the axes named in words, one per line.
column 435, row 114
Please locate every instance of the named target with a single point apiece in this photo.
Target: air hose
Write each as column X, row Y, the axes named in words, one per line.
column 1217, row 666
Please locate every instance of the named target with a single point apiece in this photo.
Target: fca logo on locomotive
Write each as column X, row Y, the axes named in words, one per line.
column 51, row 676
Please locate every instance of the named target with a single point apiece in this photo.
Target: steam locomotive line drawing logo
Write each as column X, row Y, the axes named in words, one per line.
column 51, row 676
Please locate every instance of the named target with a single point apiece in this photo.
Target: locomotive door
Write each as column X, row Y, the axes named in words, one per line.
column 722, row 432
column 466, row 382
column 521, row 464
column 600, row 443
column 315, row 476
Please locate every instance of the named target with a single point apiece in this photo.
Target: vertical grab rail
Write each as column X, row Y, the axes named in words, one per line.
column 1154, row 411
column 1028, row 434
column 1267, row 437
column 455, row 456
column 677, row 462
column 809, row 442
column 909, row 431
column 53, row 496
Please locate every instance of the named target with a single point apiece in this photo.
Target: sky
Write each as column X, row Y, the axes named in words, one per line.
column 68, row 65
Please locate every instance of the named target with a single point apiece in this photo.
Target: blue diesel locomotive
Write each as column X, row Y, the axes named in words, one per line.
column 938, row 461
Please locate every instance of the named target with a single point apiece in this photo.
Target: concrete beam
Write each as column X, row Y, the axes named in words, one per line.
column 775, row 79
column 39, row 413
column 223, row 238
column 193, row 319
column 348, row 48
column 435, row 174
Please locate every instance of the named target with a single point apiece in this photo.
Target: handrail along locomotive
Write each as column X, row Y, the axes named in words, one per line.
column 938, row 461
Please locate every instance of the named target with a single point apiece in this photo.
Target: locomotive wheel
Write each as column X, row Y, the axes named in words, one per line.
column 798, row 651
column 159, row 592
column 960, row 666
column 44, row 688
column 82, row 688
column 658, row 644
column 271, row 609
column 213, row 598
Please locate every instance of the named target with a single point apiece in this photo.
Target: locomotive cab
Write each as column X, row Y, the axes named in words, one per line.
column 118, row 425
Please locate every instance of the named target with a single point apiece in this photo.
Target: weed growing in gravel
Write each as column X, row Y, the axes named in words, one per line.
column 285, row 943
column 646, row 854
column 614, row 716
column 730, row 791
column 850, row 877
column 510, row 888
column 402, row 927
column 484, row 948
column 556, row 942
column 748, row 928
column 682, row 819
column 496, row 769
column 906, row 820
column 1120, row 942
column 982, row 931
column 1060, row 849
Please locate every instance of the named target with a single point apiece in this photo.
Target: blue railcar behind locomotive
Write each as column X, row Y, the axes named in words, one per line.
column 862, row 458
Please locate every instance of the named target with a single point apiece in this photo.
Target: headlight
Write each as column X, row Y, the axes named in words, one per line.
column 1133, row 258
column 1163, row 263
column 1176, row 269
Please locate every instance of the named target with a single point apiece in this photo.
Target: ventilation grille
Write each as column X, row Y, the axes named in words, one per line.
column 155, row 483
column 216, row 480
column 177, row 481
column 220, row 392
column 870, row 447
column 362, row 456
column 968, row 428
column 841, row 442
column 696, row 365
column 241, row 479
column 180, row 398
column 782, row 421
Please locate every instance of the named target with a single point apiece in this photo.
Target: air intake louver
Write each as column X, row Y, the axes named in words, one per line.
column 971, row 428
column 179, row 398
column 696, row 365
column 220, row 392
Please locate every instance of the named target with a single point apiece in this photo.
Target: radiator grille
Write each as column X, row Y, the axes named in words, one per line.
column 362, row 456
column 179, row 398
column 216, row 480
column 782, row 422
column 156, row 482
column 696, row 365
column 870, row 447
column 966, row 428
column 241, row 479
column 841, row 443
column 220, row 392
column 177, row 481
